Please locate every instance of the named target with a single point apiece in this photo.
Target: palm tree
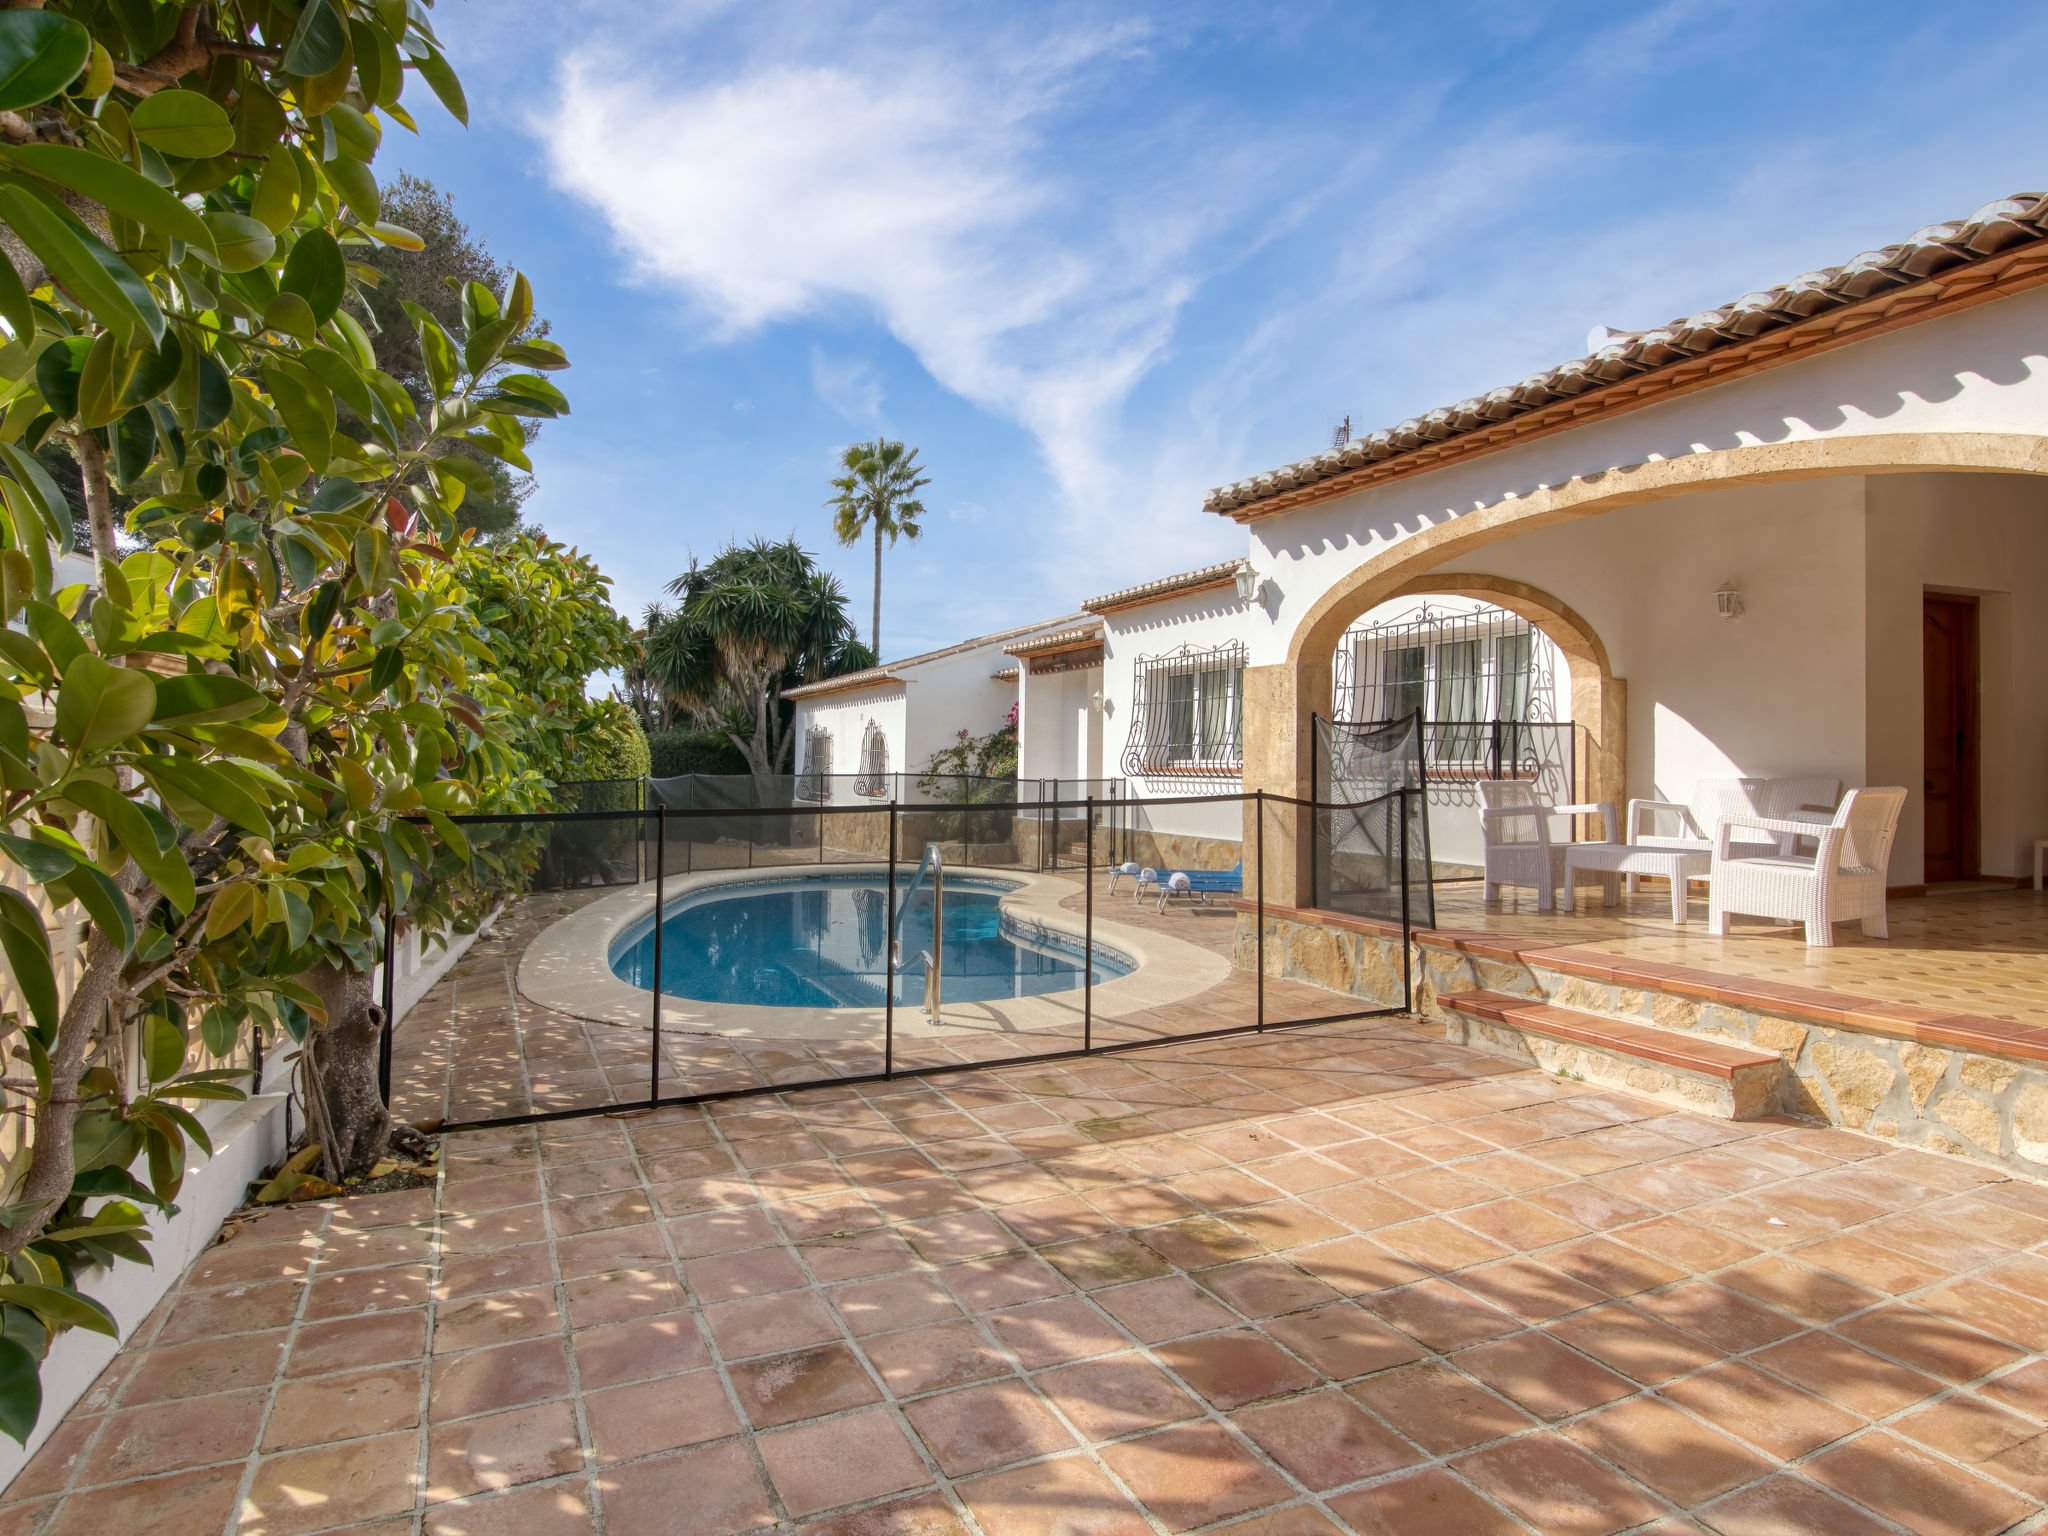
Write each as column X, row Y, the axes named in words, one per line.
column 879, row 489
column 756, row 620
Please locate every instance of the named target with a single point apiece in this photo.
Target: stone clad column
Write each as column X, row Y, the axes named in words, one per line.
column 1280, row 703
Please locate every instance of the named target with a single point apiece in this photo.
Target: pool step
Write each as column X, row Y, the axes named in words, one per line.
column 1717, row 1077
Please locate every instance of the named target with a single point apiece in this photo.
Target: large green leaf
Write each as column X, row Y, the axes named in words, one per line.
column 114, row 187
column 241, row 244
column 317, row 42
column 276, row 201
column 27, row 943
column 436, row 71
column 62, row 1305
column 42, row 862
column 157, row 854
column 100, row 704
column 40, row 54
column 312, row 431
column 15, row 307
column 182, row 123
column 21, row 1382
column 357, row 184
column 209, row 788
column 89, row 886
column 42, row 491
column 79, row 260
column 316, row 273
column 200, row 697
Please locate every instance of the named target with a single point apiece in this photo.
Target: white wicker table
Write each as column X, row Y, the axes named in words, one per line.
column 1613, row 860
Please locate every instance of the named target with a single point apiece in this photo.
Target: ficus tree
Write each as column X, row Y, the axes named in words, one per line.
column 243, row 739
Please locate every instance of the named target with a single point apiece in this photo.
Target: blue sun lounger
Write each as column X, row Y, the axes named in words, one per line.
column 1201, row 884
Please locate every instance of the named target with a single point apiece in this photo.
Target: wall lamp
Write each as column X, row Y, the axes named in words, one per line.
column 1728, row 601
column 1251, row 586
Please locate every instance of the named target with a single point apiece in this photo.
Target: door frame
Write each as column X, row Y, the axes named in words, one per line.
column 1970, row 782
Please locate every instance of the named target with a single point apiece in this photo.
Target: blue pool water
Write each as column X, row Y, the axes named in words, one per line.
column 823, row 943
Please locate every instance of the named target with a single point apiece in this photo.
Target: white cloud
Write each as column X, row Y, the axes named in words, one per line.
column 850, row 386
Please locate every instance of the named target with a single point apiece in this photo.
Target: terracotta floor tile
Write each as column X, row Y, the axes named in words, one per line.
column 175, row 1435
column 1343, row 1341
column 197, row 1501
column 1266, row 1287
column 1123, row 1395
column 1770, row 1414
column 368, row 1402
column 649, row 1346
column 925, row 1514
column 1163, row 1309
column 988, row 1284
column 1439, row 1407
column 232, row 1309
column 1929, row 1343
column 500, row 1318
column 1791, row 1506
column 785, row 1388
column 770, row 1325
column 1610, row 1266
column 1049, row 1332
column 1531, row 1290
column 1928, row 1497
column 1798, row 1289
column 666, row 1414
column 1356, row 1265
column 1847, row 1376
column 1441, row 1315
column 1194, row 1476
column 1066, row 1496
column 926, row 1359
column 622, row 1294
column 721, row 1232
column 1325, row 1439
column 1439, row 1245
column 1557, row 1487
column 2023, row 1389
column 508, row 1376
column 558, row 1509
column 498, row 1450
column 1236, row 1368
column 1688, row 1245
column 1542, row 1374
column 839, row 1461
column 1870, row 1264
column 977, row 1429
column 324, row 1486
column 857, row 1255
column 1997, row 1442
column 1427, row 1501
column 592, row 1253
column 883, row 1306
column 504, row 1270
column 709, row 1492
column 205, row 1366
column 1669, row 1452
column 1633, row 1343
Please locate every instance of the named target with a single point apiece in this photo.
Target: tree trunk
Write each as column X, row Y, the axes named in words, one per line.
column 99, row 496
column 875, row 628
column 344, row 1107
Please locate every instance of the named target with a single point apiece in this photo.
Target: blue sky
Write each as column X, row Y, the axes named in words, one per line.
column 1094, row 259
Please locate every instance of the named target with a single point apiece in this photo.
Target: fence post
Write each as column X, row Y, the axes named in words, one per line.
column 1407, row 947
column 1088, row 921
column 654, row 1032
column 390, row 964
column 1259, row 888
column 889, row 959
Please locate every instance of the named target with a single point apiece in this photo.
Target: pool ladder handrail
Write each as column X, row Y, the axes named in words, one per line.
column 933, row 958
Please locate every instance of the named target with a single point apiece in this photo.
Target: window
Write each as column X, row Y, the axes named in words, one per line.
column 873, row 778
column 1188, row 716
column 815, row 782
column 1459, row 667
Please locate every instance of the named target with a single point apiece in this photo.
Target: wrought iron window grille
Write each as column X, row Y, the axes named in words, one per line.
column 1187, row 713
column 815, row 782
column 873, row 778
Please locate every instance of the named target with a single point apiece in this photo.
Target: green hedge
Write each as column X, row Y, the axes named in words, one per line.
column 675, row 752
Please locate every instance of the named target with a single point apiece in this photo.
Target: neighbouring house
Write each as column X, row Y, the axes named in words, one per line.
column 867, row 736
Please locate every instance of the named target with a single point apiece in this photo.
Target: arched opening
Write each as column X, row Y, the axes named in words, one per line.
column 1508, row 682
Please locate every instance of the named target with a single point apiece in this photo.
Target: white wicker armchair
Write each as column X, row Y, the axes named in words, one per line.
column 1519, row 848
column 1843, row 881
column 1675, row 824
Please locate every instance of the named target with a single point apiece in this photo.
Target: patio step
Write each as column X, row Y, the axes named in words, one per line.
column 1720, row 1077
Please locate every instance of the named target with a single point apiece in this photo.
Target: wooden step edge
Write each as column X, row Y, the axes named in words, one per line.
column 1687, row 1053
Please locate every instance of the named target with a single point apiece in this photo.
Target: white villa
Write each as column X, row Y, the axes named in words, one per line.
column 1757, row 541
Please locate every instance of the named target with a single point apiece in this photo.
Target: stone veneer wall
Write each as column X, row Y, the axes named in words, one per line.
column 1173, row 850
column 1935, row 1097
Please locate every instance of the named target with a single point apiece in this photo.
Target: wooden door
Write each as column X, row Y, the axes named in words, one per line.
column 1949, row 658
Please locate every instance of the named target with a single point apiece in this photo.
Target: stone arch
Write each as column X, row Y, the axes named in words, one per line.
column 1282, row 698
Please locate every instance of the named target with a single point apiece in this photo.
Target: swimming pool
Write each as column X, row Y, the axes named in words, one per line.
column 822, row 942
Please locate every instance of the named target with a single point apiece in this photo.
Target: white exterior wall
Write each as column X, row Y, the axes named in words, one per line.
column 1060, row 726
column 1982, row 370
column 846, row 716
column 1201, row 620
column 954, row 694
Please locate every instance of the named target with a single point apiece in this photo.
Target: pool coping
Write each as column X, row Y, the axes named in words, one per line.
column 567, row 968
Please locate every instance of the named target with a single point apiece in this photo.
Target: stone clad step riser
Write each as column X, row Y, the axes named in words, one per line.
column 1709, row 1077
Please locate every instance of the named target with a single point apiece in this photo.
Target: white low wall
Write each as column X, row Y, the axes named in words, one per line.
column 247, row 1138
